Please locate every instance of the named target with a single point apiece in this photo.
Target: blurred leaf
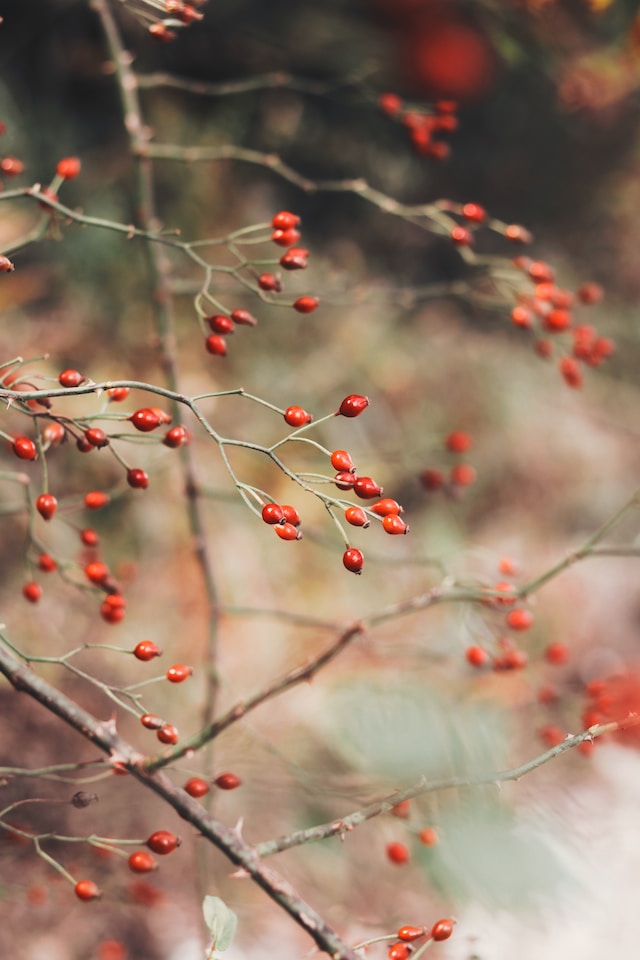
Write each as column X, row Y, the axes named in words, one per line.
column 221, row 921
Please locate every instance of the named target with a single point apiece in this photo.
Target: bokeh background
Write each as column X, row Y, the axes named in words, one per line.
column 548, row 137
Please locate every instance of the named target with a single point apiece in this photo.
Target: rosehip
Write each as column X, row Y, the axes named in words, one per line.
column 117, row 394
column 390, row 103
column 145, row 420
column 227, row 781
column 220, row 324
column 463, row 475
column 285, row 220
column 297, row 417
column 394, row 525
column 68, row 168
column 409, row 934
column 151, row 721
column 344, row 480
column 46, row 563
column 442, row 929
column 24, row 448
column 272, row 513
column 398, row 951
column 196, row 787
column 556, row 653
column 96, row 499
column 428, row 836
column 70, row 378
column 397, row 853
column 167, row 734
column 366, row 488
column 162, row 842
column 519, row 619
column 291, row 515
column 46, row 505
column 32, row 592
column 86, row 890
column 89, row 537
column 458, row 442
column 353, row 405
column 477, row 656
column 341, row 460
column 178, row 673
column 384, row 507
column 216, row 345
column 306, row 304
column 287, row 531
column 96, row 437
column 146, row 650
column 243, row 318
column 137, row 478
column 294, row 259
column 176, row 437
column 285, row 238
column 142, row 862
column 432, row 479
column 270, row 283
column 113, row 608
column 53, row 433
column 356, row 517
column 96, row 572
column 353, row 560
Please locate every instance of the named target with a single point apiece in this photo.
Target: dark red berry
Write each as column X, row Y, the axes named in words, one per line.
column 243, row 318
column 162, row 842
column 89, row 537
column 385, row 507
column 409, row 934
column 353, row 560
column 356, row 517
column 216, row 345
column 285, row 220
column 70, row 378
column 291, row 515
column 306, row 304
column 221, row 324
column 272, row 513
column 46, row 505
column 366, row 488
column 227, row 781
column 86, row 890
column 294, row 259
column 137, row 478
column 398, row 951
column 176, row 437
column 96, row 437
column 442, row 929
column 270, row 283
column 145, row 420
column 196, row 787
column 353, row 405
column 151, row 721
column 167, row 734
column 287, row 531
column 24, row 448
column 297, row 417
column 345, row 480
column 46, row 563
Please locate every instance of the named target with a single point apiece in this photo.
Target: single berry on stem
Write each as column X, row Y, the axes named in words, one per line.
column 353, row 560
column 46, row 505
column 227, row 781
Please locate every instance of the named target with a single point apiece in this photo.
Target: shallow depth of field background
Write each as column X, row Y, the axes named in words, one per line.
column 548, row 137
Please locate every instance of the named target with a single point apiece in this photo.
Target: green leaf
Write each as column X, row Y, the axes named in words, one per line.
column 220, row 920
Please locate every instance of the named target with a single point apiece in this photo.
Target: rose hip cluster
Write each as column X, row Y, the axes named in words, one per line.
column 459, row 474
column 409, row 937
column 423, row 126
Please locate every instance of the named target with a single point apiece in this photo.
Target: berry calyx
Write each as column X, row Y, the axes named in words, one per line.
column 46, row 505
column 272, row 513
column 227, row 781
column 24, row 448
column 162, row 842
column 68, row 168
column 32, row 591
column 137, row 478
column 397, row 853
column 145, row 420
column 196, row 787
column 306, row 304
column 70, row 378
column 167, row 734
column 353, row 560
column 178, row 673
column 87, row 890
column 146, row 650
column 142, row 862
column 297, row 416
column 353, row 405
column 442, row 929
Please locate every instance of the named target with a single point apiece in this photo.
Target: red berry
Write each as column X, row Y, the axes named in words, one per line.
column 341, row 460
column 96, row 500
column 519, row 619
column 270, row 283
column 167, row 734
column 366, row 488
column 571, row 372
column 46, row 505
column 89, row 537
column 6, row 265
column 243, row 318
column 220, row 324
column 176, row 437
column 32, row 591
column 24, row 448
column 397, row 852
column 96, row 437
column 96, row 572
column 428, row 836
column 68, row 168
column 285, row 238
column 458, row 442
column 344, row 480
column 11, row 166
column 142, row 862
column 442, row 929
column 353, row 405
column 287, row 531
column 409, row 934
column 285, row 220
column 294, row 259
column 306, row 304
column 117, row 394
column 461, row 236
column 178, row 673
column 398, row 951
column 356, row 517
column 394, row 525
column 147, row 650
column 53, row 433
column 216, row 345
column 390, row 103
column 353, row 560
column 137, row 478
column 556, row 653
column 474, row 212
column 162, row 842
column 151, row 721
column 463, row 475
column 291, row 515
column 46, row 563
column 145, row 420
column 113, row 608
column 272, row 513
column 86, row 890
column 196, row 787
column 522, row 317
column 297, row 417
column 227, row 781
column 70, row 378
column 477, row 656
column 385, row 507
column 432, row 479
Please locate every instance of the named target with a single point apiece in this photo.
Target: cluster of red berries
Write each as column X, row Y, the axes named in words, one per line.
column 459, row 475
column 472, row 217
column 547, row 311
column 423, row 126
column 285, row 233
column 162, row 843
column 197, row 787
column 518, row 620
column 408, row 936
